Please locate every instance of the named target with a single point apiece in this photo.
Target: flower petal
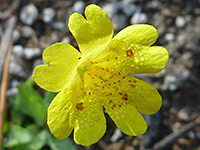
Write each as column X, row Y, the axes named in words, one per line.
column 134, row 59
column 141, row 34
column 58, row 115
column 93, row 33
column 143, row 95
column 127, row 118
column 90, row 123
column 62, row 59
column 126, row 96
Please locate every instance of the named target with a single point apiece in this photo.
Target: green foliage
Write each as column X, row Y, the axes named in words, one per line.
column 26, row 129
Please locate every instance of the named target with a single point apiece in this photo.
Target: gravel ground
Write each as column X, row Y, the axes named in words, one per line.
column 43, row 22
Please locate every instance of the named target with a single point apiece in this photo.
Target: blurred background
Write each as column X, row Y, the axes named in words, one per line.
column 27, row 27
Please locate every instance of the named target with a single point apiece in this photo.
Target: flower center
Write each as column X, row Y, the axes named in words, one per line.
column 84, row 65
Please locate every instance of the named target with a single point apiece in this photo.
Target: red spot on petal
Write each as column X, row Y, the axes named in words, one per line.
column 114, row 82
column 120, row 93
column 118, row 80
column 125, row 97
column 120, row 105
column 129, row 80
column 109, row 94
column 89, row 93
column 135, row 81
column 110, row 101
column 79, row 106
column 129, row 53
column 123, row 77
column 107, row 59
column 96, row 84
column 132, row 85
column 116, row 57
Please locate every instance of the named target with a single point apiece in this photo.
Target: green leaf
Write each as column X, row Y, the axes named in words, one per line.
column 56, row 144
column 48, row 97
column 16, row 115
column 31, row 102
column 18, row 136
column 38, row 142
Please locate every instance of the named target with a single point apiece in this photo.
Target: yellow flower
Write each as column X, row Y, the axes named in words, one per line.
column 101, row 75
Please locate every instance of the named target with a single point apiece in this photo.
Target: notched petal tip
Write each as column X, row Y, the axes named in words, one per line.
column 93, row 31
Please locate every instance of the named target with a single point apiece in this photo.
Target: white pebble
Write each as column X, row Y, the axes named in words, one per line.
column 79, row 7
column 180, row 21
column 138, row 18
column 48, row 15
column 18, row 50
column 169, row 37
column 29, row 14
column 30, row 53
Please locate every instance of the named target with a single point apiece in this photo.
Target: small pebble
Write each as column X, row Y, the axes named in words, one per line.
column 138, row 18
column 119, row 22
column 180, row 21
column 60, row 25
column 111, row 9
column 29, row 14
column 169, row 37
column 66, row 40
column 16, row 35
column 79, row 7
column 183, row 114
column 30, row 53
column 116, row 135
column 48, row 15
column 127, row 7
column 171, row 83
column 16, row 68
column 27, row 31
column 37, row 62
column 18, row 50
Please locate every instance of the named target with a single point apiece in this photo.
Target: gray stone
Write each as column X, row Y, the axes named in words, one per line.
column 138, row 18
column 48, row 15
column 119, row 22
column 30, row 53
column 117, row 134
column 111, row 9
column 16, row 67
column 16, row 35
column 180, row 21
column 128, row 7
column 27, row 31
column 79, row 7
column 14, row 83
column 169, row 37
column 60, row 25
column 66, row 40
column 12, row 91
column 29, row 14
column 171, row 83
column 18, row 50
column 154, row 130
column 37, row 62
column 183, row 114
